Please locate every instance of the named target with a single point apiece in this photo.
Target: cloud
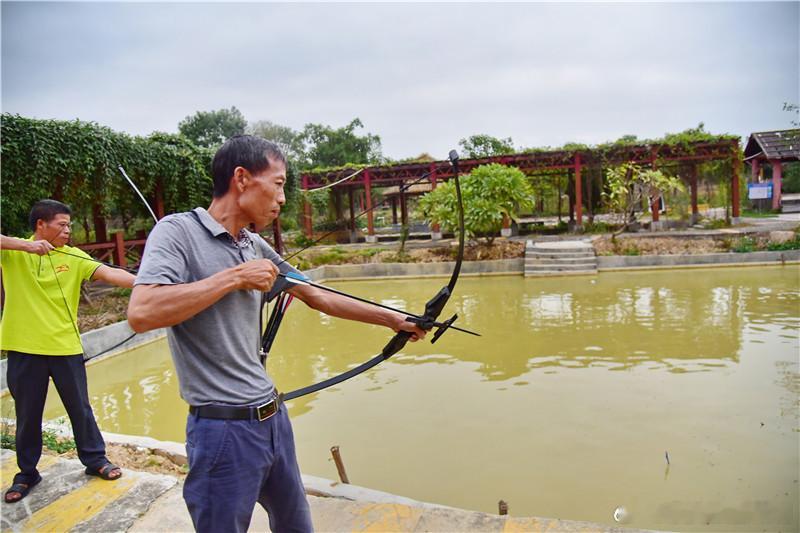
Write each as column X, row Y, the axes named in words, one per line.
column 421, row 76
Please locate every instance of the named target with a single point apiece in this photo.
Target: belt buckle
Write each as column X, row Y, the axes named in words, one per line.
column 266, row 410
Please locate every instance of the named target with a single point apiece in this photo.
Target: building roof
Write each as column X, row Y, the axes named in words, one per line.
column 781, row 145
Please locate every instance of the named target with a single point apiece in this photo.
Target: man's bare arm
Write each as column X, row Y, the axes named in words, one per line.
column 342, row 307
column 114, row 276
column 159, row 306
column 40, row 247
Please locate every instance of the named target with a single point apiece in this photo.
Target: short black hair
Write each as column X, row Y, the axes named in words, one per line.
column 246, row 151
column 46, row 210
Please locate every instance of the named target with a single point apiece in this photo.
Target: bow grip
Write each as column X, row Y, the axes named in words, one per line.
column 396, row 344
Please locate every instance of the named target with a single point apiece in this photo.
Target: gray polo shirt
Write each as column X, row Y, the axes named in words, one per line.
column 216, row 352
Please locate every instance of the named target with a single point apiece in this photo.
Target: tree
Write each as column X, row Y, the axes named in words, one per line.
column 211, row 128
column 483, row 145
column 289, row 140
column 291, row 143
column 329, row 147
column 491, row 193
column 628, row 185
column 76, row 162
column 794, row 109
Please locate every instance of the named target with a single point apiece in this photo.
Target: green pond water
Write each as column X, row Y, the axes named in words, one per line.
column 566, row 407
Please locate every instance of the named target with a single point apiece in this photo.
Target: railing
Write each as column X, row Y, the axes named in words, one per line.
column 118, row 251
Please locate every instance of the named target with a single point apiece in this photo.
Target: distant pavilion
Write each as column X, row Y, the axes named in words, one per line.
column 537, row 165
column 772, row 148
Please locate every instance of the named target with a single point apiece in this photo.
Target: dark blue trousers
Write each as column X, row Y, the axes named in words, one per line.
column 28, row 378
column 234, row 464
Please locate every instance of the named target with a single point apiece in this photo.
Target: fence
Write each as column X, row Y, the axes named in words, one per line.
column 118, row 251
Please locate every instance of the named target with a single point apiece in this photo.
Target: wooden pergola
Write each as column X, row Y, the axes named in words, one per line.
column 574, row 163
column 772, row 148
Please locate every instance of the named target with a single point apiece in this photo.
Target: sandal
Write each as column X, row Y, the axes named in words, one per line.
column 105, row 472
column 22, row 489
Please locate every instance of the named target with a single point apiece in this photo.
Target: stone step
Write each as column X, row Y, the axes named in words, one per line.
column 544, row 273
column 565, row 268
column 559, row 251
column 560, row 258
column 546, row 255
column 566, row 262
column 561, row 246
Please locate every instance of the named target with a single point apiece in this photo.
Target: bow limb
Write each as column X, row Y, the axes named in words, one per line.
column 433, row 309
column 435, row 305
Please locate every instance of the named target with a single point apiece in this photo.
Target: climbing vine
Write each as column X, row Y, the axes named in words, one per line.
column 77, row 162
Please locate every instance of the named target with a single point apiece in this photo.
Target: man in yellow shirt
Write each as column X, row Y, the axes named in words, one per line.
column 42, row 278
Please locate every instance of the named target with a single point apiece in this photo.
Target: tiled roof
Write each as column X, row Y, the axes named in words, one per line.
column 783, row 145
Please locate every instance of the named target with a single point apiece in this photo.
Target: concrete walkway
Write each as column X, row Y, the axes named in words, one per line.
column 69, row 500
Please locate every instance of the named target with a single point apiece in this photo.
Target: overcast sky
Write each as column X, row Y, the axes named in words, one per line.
column 421, row 76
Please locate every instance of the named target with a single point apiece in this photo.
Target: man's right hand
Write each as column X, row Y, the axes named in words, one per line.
column 259, row 274
column 41, row 247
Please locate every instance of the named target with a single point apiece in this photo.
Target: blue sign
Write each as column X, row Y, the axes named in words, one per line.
column 759, row 191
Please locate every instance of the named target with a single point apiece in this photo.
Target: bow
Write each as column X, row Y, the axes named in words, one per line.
column 426, row 321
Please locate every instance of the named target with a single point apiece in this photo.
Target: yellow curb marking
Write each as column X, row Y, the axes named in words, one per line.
column 530, row 525
column 514, row 525
column 10, row 467
column 77, row 506
column 386, row 517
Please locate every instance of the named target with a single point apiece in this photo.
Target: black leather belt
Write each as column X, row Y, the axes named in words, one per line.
column 226, row 412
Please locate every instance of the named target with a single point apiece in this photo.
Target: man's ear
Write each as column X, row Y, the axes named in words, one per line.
column 239, row 179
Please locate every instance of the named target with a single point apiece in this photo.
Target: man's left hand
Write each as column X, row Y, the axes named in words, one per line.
column 416, row 332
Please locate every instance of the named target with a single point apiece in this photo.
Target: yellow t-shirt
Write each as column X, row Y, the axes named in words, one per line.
column 40, row 311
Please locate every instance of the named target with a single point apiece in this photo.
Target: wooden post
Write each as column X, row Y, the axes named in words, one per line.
column 755, row 169
column 368, row 198
column 393, row 201
column 502, row 507
column 276, row 234
column 352, row 206
column 571, row 193
column 403, row 206
column 777, row 178
column 159, row 208
column 99, row 221
column 307, row 212
column 589, row 199
column 337, row 204
column 436, row 230
column 655, row 204
column 119, row 249
column 558, row 190
column 735, row 200
column 578, row 192
column 693, row 185
column 337, row 458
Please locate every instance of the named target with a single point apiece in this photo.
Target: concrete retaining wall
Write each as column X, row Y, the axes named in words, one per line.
column 417, row 270
column 620, row 262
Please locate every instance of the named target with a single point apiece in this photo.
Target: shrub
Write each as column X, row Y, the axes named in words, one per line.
column 301, row 241
column 491, row 194
column 744, row 245
column 793, row 244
